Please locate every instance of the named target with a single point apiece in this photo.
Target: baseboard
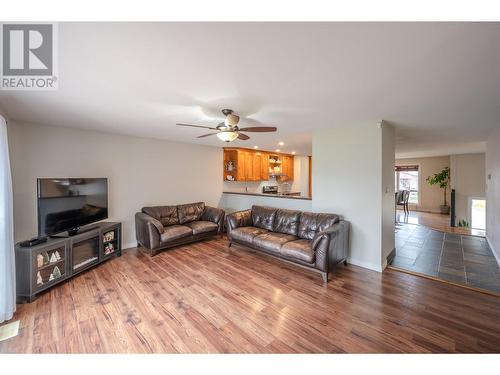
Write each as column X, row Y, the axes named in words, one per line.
column 497, row 257
column 389, row 258
column 368, row 265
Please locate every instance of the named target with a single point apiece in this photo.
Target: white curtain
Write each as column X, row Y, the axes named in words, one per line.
column 7, row 265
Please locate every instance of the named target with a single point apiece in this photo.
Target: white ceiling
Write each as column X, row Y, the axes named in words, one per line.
column 437, row 83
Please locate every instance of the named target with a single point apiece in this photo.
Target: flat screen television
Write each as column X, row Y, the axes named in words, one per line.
column 65, row 204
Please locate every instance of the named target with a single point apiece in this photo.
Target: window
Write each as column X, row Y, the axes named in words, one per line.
column 407, row 179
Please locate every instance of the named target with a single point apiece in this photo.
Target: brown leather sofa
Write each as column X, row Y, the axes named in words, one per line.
column 313, row 240
column 162, row 227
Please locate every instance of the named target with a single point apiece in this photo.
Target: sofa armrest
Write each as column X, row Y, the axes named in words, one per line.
column 148, row 230
column 331, row 245
column 238, row 219
column 215, row 215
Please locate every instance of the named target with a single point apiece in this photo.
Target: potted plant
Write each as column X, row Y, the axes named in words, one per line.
column 442, row 179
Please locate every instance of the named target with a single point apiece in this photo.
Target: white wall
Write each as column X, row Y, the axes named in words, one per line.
column 347, row 179
column 493, row 192
column 468, row 178
column 388, row 190
column 301, row 175
column 141, row 171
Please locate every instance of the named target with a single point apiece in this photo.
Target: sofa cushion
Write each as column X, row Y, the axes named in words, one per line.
column 176, row 232
column 246, row 234
column 190, row 212
column 272, row 241
column 199, row 227
column 286, row 221
column 311, row 223
column 167, row 215
column 299, row 249
column 263, row 217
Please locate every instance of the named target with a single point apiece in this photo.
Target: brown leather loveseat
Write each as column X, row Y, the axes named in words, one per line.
column 162, row 227
column 313, row 240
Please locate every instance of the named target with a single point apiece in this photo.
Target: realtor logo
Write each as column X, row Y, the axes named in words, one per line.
column 28, row 57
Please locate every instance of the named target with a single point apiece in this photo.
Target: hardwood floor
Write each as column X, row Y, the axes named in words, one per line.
column 206, row 298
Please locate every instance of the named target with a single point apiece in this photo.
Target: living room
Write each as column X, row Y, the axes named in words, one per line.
column 188, row 187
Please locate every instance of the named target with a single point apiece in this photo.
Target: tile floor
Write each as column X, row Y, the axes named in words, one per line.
column 457, row 258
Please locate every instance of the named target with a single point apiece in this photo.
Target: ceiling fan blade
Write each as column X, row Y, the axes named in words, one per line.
column 243, row 137
column 197, row 126
column 259, row 129
column 206, row 135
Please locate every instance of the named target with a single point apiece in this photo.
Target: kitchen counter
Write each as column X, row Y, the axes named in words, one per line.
column 283, row 196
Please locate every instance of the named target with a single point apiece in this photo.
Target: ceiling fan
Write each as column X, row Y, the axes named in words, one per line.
column 228, row 130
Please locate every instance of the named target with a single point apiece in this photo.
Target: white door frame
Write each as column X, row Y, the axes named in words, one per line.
column 469, row 211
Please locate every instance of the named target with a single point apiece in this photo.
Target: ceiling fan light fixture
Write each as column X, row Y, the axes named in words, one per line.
column 227, row 136
column 231, row 120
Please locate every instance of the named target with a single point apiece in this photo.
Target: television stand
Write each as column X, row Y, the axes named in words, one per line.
column 46, row 265
column 73, row 232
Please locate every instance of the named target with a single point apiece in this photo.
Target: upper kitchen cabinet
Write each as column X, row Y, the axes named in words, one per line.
column 287, row 167
column 241, row 164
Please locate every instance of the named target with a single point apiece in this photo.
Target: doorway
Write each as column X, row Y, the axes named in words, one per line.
column 478, row 213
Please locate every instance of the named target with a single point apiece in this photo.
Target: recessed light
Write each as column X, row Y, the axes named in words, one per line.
column 293, row 152
column 281, row 143
column 256, row 147
column 277, row 150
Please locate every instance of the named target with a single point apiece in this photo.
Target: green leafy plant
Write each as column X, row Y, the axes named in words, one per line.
column 463, row 223
column 442, row 179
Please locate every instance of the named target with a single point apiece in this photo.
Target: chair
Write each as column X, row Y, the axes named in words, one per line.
column 402, row 198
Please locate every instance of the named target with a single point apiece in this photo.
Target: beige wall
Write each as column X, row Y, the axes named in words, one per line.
column 141, row 171
column 468, row 178
column 430, row 197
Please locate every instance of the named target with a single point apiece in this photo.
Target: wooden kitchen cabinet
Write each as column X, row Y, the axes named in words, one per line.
column 264, row 166
column 287, row 167
column 256, row 166
column 252, row 165
column 241, row 174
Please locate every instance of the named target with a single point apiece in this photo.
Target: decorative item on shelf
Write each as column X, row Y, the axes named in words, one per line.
column 51, row 277
column 230, row 177
column 39, row 280
column 230, row 166
column 39, row 260
column 58, row 256
column 109, row 248
column 109, row 236
column 56, row 272
column 45, row 258
column 53, row 258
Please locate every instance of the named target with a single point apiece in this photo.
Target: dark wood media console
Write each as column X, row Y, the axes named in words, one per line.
column 43, row 266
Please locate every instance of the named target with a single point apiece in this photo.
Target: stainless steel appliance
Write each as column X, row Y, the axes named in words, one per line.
column 270, row 189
